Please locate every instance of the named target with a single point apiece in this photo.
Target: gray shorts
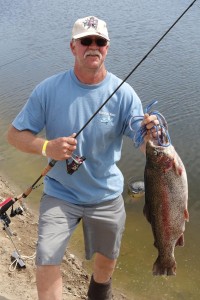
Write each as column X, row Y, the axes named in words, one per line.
column 103, row 226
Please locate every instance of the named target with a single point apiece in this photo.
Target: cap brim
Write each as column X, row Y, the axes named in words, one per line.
column 84, row 34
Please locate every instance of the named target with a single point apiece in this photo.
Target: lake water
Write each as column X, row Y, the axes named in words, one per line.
column 34, row 44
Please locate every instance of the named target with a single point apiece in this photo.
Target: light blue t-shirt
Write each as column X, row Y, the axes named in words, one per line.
column 62, row 105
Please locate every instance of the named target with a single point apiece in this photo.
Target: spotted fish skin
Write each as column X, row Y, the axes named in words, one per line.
column 166, row 198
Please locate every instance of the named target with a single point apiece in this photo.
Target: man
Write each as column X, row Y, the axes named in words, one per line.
column 62, row 104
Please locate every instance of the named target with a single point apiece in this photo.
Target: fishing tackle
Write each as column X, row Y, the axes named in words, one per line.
column 5, row 205
column 9, row 202
column 4, row 218
column 75, row 163
column 163, row 138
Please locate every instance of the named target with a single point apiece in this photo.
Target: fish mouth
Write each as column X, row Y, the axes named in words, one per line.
column 160, row 152
column 156, row 143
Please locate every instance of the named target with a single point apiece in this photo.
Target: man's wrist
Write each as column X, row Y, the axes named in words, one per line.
column 44, row 147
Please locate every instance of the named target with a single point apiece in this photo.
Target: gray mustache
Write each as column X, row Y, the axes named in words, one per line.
column 92, row 52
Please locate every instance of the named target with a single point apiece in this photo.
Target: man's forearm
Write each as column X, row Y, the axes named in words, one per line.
column 25, row 141
column 59, row 149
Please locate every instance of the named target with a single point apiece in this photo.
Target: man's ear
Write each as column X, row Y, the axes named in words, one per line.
column 72, row 46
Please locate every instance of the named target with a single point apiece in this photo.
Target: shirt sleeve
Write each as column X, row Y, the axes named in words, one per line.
column 32, row 116
column 134, row 116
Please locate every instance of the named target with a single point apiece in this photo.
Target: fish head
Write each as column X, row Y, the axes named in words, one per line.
column 159, row 155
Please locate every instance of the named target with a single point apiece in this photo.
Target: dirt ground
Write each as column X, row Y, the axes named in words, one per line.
column 17, row 283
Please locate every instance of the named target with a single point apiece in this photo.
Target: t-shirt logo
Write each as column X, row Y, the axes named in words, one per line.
column 106, row 117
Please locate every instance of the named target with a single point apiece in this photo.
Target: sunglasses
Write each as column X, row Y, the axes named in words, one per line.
column 87, row 41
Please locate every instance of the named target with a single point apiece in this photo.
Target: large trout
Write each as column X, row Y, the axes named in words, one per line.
column 166, row 197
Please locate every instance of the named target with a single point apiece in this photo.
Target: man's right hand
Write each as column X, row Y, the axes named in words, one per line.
column 61, row 148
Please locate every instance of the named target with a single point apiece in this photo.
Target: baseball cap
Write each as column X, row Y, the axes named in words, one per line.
column 90, row 26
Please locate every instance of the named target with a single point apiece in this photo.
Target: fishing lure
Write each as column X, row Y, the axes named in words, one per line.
column 163, row 138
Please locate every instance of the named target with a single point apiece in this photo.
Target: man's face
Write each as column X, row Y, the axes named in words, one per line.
column 90, row 52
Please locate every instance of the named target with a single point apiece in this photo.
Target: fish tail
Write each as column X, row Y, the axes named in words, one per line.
column 161, row 268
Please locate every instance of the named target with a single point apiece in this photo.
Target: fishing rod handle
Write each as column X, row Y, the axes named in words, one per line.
column 50, row 165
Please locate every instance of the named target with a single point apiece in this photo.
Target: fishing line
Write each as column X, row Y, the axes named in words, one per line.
column 9, row 202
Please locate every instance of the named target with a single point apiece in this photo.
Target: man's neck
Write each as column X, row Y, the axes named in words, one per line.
column 90, row 76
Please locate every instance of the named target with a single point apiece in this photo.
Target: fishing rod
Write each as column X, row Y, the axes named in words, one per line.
column 76, row 160
column 135, row 68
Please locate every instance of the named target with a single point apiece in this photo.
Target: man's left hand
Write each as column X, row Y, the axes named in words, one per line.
column 150, row 121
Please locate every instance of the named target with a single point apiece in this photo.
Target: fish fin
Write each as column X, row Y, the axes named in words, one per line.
column 177, row 166
column 179, row 170
column 186, row 215
column 160, row 268
column 180, row 241
column 173, row 164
